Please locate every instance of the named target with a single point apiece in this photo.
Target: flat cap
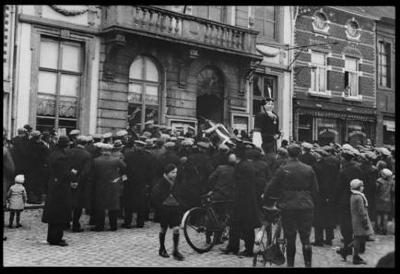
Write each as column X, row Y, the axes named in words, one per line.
column 169, row 144
column 121, row 133
column 35, row 133
column 386, row 172
column 181, row 138
column 327, row 148
column 98, row 144
column 28, row 127
column 117, row 144
column 294, row 150
column 107, row 135
column 321, row 152
column 75, row 132
column 383, row 150
column 149, row 122
column 223, row 147
column 147, row 134
column 203, row 145
column 139, row 143
column 307, row 145
column 97, row 136
column 106, row 147
column 173, row 139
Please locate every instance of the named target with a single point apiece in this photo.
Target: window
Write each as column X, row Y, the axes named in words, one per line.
column 384, row 64
column 265, row 19
column 59, row 84
column 214, row 13
column 144, row 85
column 263, row 86
column 351, row 76
column 318, row 72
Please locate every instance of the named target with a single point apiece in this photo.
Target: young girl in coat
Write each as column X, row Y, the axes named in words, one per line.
column 383, row 199
column 359, row 217
column 16, row 197
column 165, row 199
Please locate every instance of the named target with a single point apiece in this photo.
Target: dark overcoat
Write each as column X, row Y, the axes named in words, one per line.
column 262, row 176
column 19, row 153
column 8, row 172
column 81, row 161
column 370, row 175
column 162, row 189
column 383, row 195
column 106, row 190
column 222, row 181
column 189, row 180
column 245, row 211
column 37, row 169
column 294, row 185
column 202, row 162
column 308, row 159
column 140, row 172
column 58, row 206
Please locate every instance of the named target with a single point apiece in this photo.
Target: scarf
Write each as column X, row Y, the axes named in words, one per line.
column 362, row 195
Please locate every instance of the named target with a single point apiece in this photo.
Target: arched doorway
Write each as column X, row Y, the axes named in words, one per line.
column 210, row 95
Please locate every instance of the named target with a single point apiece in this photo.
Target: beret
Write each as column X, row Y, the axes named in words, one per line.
column 107, row 135
column 121, row 133
column 98, row 144
column 147, row 134
column 20, row 178
column 28, row 127
column 75, row 132
column 106, row 147
column 140, row 143
column 386, row 172
column 169, row 144
column 356, row 183
column 97, row 136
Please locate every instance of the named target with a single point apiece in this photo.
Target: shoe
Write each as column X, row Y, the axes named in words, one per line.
column 4, row 238
column 328, row 242
column 246, row 253
column 18, row 226
column 163, row 253
column 61, row 243
column 178, row 256
column 343, row 253
column 140, row 226
column 228, row 251
column 359, row 260
column 77, row 230
column 318, row 243
column 126, row 226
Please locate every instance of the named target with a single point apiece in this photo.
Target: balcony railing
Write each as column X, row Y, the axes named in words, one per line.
column 181, row 27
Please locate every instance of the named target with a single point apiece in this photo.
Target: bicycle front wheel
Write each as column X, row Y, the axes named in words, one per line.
column 199, row 228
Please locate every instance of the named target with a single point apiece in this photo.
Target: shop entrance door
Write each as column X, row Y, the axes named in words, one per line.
column 209, row 107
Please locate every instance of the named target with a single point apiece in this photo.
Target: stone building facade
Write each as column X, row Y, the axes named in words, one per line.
column 334, row 76
column 386, row 83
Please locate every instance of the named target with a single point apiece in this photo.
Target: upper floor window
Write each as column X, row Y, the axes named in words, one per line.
column 265, row 21
column 351, row 76
column 384, row 64
column 59, row 84
column 318, row 72
column 214, row 13
column 144, row 97
column 264, row 86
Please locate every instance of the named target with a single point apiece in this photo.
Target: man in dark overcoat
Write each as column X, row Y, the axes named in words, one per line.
column 295, row 187
column 19, row 151
column 58, row 206
column 140, row 173
column 36, row 173
column 245, row 211
column 326, row 169
column 105, row 174
column 349, row 170
column 371, row 175
column 307, row 157
column 80, row 161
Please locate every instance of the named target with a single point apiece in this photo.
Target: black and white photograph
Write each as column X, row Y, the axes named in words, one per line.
column 192, row 136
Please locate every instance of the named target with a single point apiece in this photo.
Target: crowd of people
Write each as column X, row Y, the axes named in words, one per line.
column 166, row 172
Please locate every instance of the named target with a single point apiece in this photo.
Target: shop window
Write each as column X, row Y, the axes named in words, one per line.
column 384, row 64
column 327, row 131
column 305, row 128
column 351, row 77
column 144, row 96
column 318, row 72
column 264, row 86
column 356, row 133
column 59, row 84
column 265, row 21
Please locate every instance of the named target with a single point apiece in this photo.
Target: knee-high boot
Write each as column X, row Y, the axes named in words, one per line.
column 162, row 251
column 307, row 254
column 290, row 253
column 177, row 255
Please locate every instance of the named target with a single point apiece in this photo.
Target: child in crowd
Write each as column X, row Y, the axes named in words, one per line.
column 383, row 199
column 16, row 198
column 361, row 223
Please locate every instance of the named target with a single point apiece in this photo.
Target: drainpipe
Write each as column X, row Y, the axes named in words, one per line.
column 293, row 17
column 15, row 74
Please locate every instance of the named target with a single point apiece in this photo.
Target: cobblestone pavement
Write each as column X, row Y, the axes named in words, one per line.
column 27, row 246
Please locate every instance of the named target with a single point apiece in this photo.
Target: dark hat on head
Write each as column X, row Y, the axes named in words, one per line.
column 139, row 143
column 168, row 168
column 294, row 150
column 282, row 151
column 35, row 133
column 321, row 152
column 203, row 145
column 28, row 127
column 63, row 141
column 117, row 144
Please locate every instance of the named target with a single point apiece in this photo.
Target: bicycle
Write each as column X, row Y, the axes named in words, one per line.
column 202, row 227
column 269, row 247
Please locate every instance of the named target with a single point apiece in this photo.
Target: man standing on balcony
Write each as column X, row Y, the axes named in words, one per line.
column 266, row 124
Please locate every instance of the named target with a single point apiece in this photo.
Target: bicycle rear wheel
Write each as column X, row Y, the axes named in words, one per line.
column 199, row 228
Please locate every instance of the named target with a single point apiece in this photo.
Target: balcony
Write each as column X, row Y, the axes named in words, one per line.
column 182, row 28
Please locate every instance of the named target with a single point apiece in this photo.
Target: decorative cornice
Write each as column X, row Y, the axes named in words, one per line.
column 68, row 12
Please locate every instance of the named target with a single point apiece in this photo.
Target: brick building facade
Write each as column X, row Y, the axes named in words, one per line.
column 334, row 86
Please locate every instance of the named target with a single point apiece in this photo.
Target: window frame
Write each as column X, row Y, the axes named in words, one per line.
column 274, row 79
column 144, row 83
column 59, row 71
column 356, row 73
column 264, row 19
column 388, row 47
column 315, row 71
